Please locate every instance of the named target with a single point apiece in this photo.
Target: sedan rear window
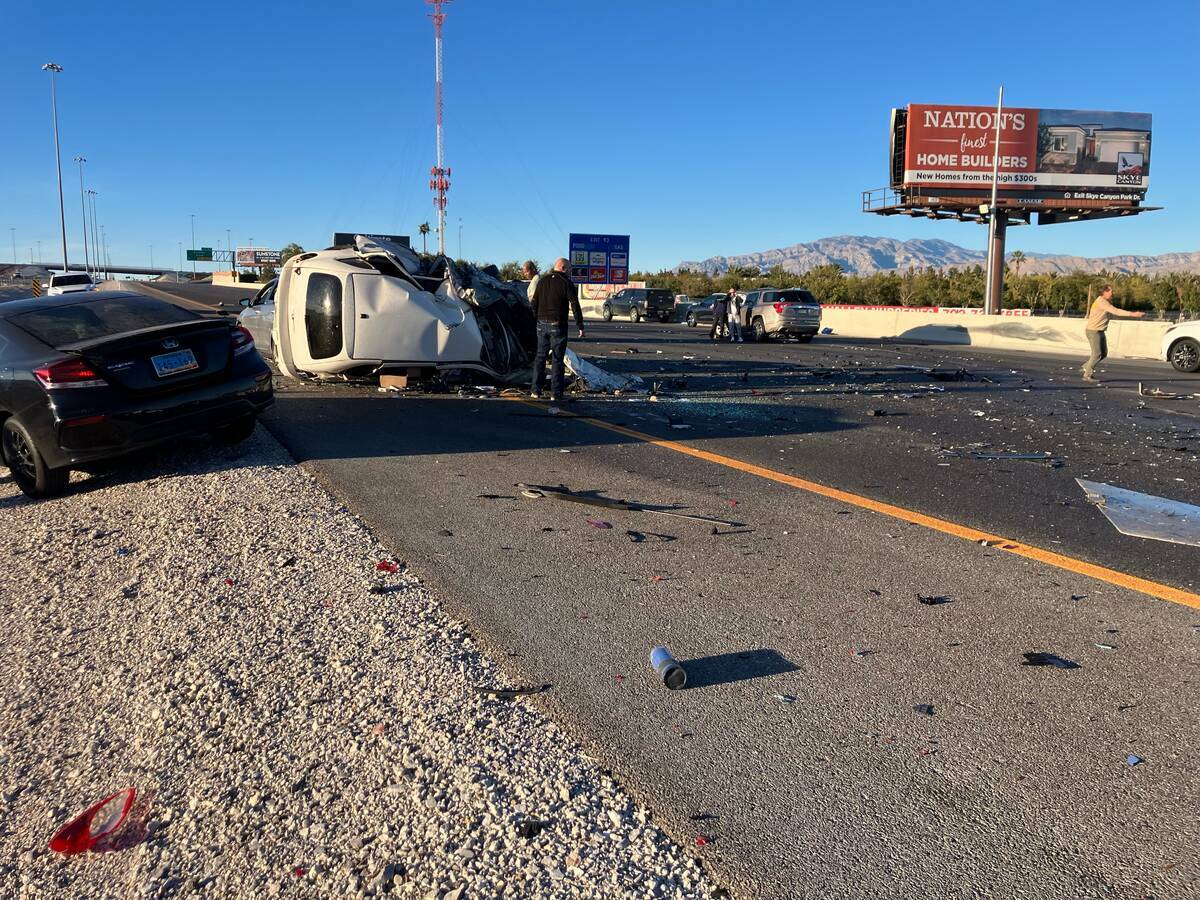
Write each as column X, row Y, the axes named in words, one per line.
column 60, row 280
column 59, row 326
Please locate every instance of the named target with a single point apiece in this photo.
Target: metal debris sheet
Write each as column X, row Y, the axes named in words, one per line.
column 1144, row 515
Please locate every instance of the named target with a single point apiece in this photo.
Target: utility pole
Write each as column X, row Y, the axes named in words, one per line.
column 193, row 246
column 180, row 270
column 997, row 225
column 87, row 265
column 439, row 183
column 54, row 69
column 232, row 256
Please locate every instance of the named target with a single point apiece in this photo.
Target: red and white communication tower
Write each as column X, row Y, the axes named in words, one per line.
column 439, row 181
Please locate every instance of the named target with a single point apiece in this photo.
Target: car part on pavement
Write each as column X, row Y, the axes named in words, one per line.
column 96, row 822
column 537, row 492
column 668, row 668
column 1144, row 515
column 1038, row 658
column 593, row 378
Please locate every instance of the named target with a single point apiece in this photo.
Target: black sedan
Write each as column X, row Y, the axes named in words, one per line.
column 86, row 377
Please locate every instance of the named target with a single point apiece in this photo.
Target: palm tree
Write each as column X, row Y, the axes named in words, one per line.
column 1017, row 259
column 424, row 230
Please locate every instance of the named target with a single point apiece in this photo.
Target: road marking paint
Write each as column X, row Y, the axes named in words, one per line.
column 995, row 542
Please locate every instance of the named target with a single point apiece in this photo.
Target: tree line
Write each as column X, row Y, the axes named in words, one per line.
column 1047, row 292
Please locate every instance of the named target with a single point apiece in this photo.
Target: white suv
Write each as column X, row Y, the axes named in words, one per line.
column 68, row 282
column 1181, row 346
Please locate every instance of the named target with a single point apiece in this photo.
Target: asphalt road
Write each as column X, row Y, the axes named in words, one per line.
column 796, row 752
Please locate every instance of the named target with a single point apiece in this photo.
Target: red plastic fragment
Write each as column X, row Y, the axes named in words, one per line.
column 298, row 871
column 731, row 502
column 228, row 582
column 85, row 831
column 619, row 677
column 597, row 523
column 656, row 578
column 387, row 565
column 701, row 840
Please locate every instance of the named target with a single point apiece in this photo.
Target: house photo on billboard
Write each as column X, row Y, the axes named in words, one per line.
column 1083, row 142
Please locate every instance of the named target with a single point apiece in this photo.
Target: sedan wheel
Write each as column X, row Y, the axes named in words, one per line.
column 1185, row 355
column 607, row 313
column 691, row 320
column 29, row 469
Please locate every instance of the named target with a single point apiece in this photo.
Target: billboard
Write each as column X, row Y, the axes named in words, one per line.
column 599, row 258
column 1068, row 152
column 346, row 238
column 255, row 257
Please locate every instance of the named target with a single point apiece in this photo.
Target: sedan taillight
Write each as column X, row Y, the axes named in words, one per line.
column 70, row 373
column 243, row 340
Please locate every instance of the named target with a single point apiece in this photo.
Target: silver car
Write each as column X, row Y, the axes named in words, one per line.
column 780, row 312
column 258, row 315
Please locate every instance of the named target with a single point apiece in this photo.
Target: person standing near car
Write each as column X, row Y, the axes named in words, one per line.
column 720, row 313
column 530, row 273
column 1096, row 328
column 734, row 303
column 554, row 296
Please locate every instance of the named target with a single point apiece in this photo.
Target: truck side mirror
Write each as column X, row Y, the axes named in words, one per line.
column 246, row 302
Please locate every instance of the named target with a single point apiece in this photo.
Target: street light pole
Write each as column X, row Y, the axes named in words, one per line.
column 95, row 233
column 180, row 272
column 232, row 255
column 193, row 246
column 87, row 263
column 54, row 69
column 997, row 224
column 104, row 250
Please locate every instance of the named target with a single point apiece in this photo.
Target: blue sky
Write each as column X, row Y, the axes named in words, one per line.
column 699, row 128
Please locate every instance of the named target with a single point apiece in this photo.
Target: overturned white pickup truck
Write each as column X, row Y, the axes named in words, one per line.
column 378, row 307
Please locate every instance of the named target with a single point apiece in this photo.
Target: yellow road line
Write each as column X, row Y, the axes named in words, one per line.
column 996, row 542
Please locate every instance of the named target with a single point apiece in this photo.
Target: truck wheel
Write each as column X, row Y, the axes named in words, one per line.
column 1185, row 355
column 235, row 432
column 804, row 338
column 758, row 330
column 27, row 465
column 607, row 313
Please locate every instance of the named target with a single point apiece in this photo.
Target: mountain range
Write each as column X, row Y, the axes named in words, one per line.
column 860, row 255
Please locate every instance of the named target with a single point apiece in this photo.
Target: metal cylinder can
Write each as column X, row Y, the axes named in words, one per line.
column 668, row 668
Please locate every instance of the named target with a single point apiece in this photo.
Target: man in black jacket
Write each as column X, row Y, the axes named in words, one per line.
column 554, row 295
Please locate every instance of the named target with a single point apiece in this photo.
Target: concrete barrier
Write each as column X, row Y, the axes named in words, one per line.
column 1127, row 339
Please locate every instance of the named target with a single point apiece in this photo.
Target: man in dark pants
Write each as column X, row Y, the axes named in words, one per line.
column 720, row 325
column 554, row 295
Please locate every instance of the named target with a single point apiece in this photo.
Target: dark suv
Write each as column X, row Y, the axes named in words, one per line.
column 640, row 303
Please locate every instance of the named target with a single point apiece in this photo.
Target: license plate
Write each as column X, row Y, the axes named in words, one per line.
column 173, row 363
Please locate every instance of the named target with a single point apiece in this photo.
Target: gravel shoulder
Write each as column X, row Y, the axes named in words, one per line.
column 210, row 627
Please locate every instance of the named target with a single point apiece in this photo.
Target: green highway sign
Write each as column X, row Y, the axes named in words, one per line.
column 204, row 254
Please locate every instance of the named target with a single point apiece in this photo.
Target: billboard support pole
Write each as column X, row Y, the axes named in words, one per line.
column 994, row 289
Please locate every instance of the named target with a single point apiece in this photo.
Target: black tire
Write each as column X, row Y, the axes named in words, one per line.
column 758, row 330
column 634, row 315
column 235, row 432
column 607, row 313
column 1184, row 355
column 804, row 338
column 665, row 318
column 28, row 466
column 691, row 320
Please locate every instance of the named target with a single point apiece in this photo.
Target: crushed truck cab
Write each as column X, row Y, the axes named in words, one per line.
column 377, row 307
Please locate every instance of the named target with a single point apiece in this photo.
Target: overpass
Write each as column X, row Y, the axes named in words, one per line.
column 112, row 269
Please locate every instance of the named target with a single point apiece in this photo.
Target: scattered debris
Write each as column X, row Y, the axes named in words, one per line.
column 495, row 497
column 1156, row 393
column 989, row 454
column 599, row 523
column 538, row 492
column 679, row 426
column 96, row 822
column 875, row 413
column 1134, row 760
column 636, row 537
column 701, row 840
column 446, row 532
column 387, row 565
column 668, row 668
column 785, row 698
column 861, row 654
column 510, row 693
column 925, row 709
column 1048, row 659
column 933, row 601
column 1144, row 515
column 594, row 378
column 1106, row 646
column 531, row 828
